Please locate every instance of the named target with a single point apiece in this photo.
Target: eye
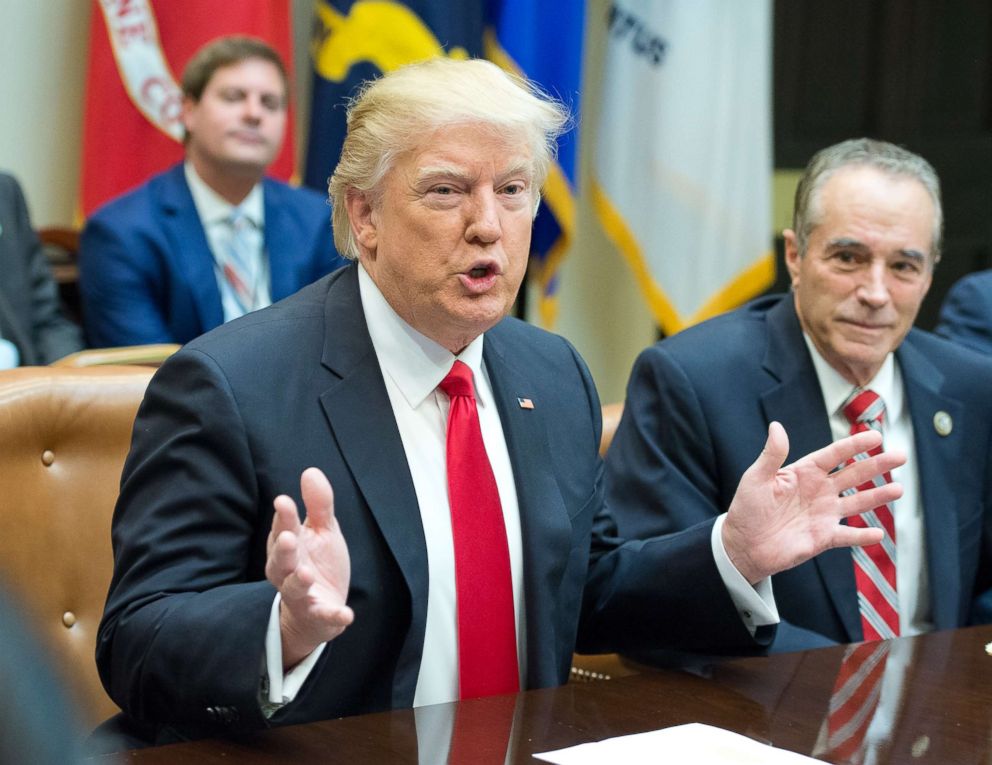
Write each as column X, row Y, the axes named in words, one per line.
column 272, row 102
column 232, row 94
column 514, row 189
column 845, row 257
column 443, row 190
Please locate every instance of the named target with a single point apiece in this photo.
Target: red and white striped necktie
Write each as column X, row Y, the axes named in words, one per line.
column 874, row 565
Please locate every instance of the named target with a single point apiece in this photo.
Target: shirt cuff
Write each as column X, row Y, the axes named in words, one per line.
column 755, row 605
column 282, row 687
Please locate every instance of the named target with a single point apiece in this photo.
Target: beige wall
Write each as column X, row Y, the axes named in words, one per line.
column 43, row 58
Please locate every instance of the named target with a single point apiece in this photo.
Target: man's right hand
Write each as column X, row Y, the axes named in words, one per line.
column 308, row 563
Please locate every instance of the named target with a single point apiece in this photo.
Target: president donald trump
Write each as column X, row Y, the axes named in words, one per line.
column 466, row 548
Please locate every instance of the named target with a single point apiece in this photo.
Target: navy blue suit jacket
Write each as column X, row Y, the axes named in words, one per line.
column 697, row 414
column 230, row 422
column 966, row 315
column 147, row 273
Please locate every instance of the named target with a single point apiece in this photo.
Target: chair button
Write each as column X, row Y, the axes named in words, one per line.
column 68, row 619
column 47, row 457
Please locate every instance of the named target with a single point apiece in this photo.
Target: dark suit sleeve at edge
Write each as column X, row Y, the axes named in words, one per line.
column 184, row 626
column 662, row 590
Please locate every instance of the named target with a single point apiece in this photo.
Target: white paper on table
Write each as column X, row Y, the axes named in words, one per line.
column 693, row 743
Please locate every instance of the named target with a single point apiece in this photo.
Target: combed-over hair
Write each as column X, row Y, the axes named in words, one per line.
column 392, row 114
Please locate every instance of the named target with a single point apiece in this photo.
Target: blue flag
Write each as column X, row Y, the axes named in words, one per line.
column 357, row 40
column 542, row 40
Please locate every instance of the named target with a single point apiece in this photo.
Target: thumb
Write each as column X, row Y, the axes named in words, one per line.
column 773, row 454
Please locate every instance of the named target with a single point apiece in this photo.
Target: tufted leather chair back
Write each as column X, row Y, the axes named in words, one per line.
column 64, row 434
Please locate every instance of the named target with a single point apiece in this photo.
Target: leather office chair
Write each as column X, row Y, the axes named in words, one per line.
column 64, row 434
column 144, row 355
column 61, row 246
column 587, row 667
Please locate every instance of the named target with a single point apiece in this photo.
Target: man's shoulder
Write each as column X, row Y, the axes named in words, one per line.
column 949, row 357
column 295, row 197
column 725, row 340
column 282, row 328
column 525, row 341
column 980, row 282
column 138, row 205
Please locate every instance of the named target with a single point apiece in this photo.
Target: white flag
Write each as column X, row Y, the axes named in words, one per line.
column 682, row 174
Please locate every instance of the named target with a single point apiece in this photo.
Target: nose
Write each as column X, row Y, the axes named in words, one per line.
column 483, row 223
column 252, row 111
column 874, row 289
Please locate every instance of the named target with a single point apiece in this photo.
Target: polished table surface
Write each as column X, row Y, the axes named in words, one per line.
column 944, row 714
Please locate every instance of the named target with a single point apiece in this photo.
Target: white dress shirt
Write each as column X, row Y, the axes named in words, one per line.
column 413, row 366
column 215, row 214
column 912, row 579
column 9, row 357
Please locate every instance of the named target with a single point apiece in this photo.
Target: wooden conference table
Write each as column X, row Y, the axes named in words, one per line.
column 944, row 716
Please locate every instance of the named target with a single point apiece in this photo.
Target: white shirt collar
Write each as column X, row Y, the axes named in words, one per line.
column 412, row 360
column 213, row 208
column 887, row 383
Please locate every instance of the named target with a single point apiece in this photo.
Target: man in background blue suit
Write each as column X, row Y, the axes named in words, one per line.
column 966, row 315
column 866, row 239
column 211, row 239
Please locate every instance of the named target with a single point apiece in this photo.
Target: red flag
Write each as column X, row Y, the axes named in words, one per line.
column 138, row 49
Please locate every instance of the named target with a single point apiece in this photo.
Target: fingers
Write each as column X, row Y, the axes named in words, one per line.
column 318, row 497
column 863, row 501
column 848, row 536
column 841, row 451
column 773, row 454
column 853, row 475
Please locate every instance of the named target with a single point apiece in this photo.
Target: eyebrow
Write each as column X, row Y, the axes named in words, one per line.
column 438, row 172
column 849, row 243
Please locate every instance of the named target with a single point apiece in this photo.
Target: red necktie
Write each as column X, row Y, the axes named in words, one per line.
column 854, row 700
column 874, row 565
column 487, row 638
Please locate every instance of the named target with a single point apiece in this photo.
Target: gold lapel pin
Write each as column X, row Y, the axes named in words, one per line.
column 525, row 403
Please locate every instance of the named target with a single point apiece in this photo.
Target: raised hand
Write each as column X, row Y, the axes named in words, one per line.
column 783, row 516
column 308, row 563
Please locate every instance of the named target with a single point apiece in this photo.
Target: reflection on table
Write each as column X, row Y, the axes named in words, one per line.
column 940, row 711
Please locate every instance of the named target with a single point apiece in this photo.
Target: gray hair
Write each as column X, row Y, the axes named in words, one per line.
column 864, row 152
column 390, row 115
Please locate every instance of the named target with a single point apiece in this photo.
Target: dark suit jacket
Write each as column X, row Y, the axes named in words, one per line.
column 697, row 414
column 147, row 273
column 966, row 315
column 230, row 422
column 30, row 316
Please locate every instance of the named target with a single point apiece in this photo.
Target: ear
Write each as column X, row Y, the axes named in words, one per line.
column 362, row 217
column 186, row 116
column 792, row 257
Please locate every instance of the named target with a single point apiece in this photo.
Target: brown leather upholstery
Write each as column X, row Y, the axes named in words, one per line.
column 145, row 355
column 64, row 434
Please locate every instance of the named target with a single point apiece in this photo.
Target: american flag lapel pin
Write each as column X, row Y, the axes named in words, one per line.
column 525, row 403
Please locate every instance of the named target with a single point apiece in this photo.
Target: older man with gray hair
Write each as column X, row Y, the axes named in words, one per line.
column 465, row 548
column 836, row 355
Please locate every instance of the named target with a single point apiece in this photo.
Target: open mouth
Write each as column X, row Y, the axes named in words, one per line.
column 480, row 277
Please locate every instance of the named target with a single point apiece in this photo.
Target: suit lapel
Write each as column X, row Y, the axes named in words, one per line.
column 797, row 403
column 361, row 419
column 937, row 459
column 190, row 248
column 279, row 245
column 544, row 522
